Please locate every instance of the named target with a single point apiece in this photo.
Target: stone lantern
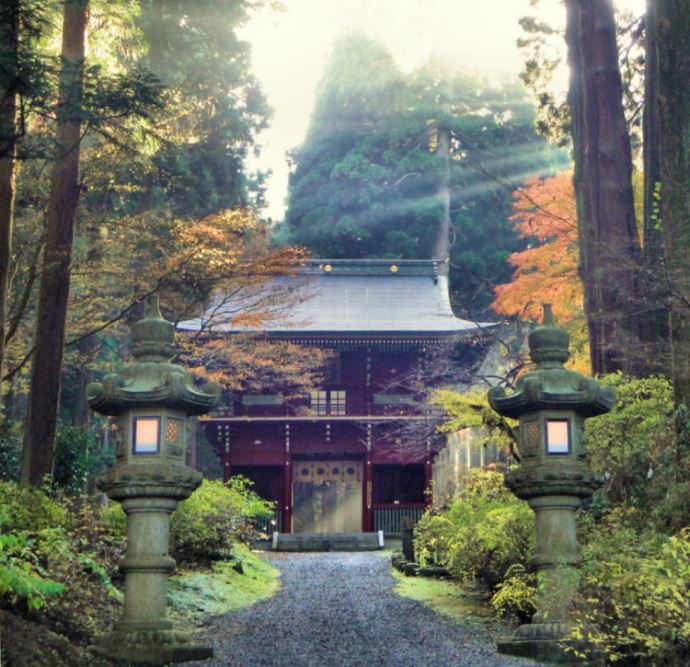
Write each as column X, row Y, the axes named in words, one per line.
column 551, row 404
column 152, row 400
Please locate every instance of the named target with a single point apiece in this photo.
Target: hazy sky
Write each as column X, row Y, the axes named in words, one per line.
column 291, row 48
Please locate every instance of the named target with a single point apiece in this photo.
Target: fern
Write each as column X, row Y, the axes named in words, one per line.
column 21, row 577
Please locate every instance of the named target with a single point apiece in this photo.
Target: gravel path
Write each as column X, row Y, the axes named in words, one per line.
column 339, row 610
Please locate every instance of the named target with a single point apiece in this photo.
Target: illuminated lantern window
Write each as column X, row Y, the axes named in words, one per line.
column 146, row 435
column 557, row 435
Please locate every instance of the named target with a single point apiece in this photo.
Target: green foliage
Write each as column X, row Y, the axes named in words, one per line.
column 29, row 509
column 204, row 526
column 634, row 577
column 51, row 545
column 214, row 107
column 433, row 538
column 466, row 409
column 170, row 113
column 76, row 459
column 633, row 606
column 516, row 595
column 21, row 576
column 10, row 454
column 485, row 531
column 114, row 517
column 642, row 451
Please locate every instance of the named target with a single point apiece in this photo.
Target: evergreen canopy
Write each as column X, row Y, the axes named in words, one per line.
column 367, row 180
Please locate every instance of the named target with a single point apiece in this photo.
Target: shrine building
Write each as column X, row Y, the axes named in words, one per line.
column 339, row 459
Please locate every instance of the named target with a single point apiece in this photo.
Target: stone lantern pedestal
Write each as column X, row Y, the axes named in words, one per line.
column 152, row 400
column 551, row 404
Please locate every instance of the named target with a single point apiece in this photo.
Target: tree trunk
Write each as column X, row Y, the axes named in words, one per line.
column 609, row 244
column 39, row 437
column 442, row 245
column 9, row 76
column 653, row 250
column 654, row 325
column 672, row 27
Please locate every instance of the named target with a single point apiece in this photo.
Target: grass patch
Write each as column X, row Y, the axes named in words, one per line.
column 444, row 597
column 194, row 595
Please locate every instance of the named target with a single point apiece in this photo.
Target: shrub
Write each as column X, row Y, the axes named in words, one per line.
column 114, row 518
column 204, row 526
column 633, row 447
column 22, row 580
column 73, row 458
column 432, row 538
column 49, row 545
column 516, row 596
column 83, row 561
column 10, row 453
column 485, row 531
column 29, row 509
column 633, row 606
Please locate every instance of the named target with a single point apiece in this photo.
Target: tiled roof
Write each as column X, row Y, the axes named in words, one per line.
column 349, row 296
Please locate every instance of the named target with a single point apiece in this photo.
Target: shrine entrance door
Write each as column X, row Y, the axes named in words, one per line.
column 327, row 497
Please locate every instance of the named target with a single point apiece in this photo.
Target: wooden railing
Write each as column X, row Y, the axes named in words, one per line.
column 388, row 518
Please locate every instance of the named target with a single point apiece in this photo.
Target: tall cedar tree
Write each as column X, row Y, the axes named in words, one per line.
column 654, row 326
column 9, row 76
column 609, row 244
column 671, row 24
column 55, row 276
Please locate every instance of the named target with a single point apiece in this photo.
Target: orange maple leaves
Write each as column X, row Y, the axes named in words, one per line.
column 546, row 271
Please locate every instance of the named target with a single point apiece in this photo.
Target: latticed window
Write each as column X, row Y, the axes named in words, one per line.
column 337, row 402
column 328, row 402
column 319, row 402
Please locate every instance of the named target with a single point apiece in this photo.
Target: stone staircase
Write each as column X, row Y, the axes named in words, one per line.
column 328, row 542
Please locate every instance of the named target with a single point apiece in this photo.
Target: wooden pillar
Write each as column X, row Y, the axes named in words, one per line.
column 224, row 437
column 367, row 383
column 428, row 475
column 367, row 489
column 287, row 484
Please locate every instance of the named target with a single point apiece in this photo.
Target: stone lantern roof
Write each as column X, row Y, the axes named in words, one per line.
column 551, row 386
column 151, row 380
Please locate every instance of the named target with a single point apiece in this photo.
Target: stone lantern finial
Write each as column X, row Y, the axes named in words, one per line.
column 549, row 343
column 153, row 338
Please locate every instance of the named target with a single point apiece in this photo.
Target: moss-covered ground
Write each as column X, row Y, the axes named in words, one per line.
column 226, row 586
column 445, row 597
